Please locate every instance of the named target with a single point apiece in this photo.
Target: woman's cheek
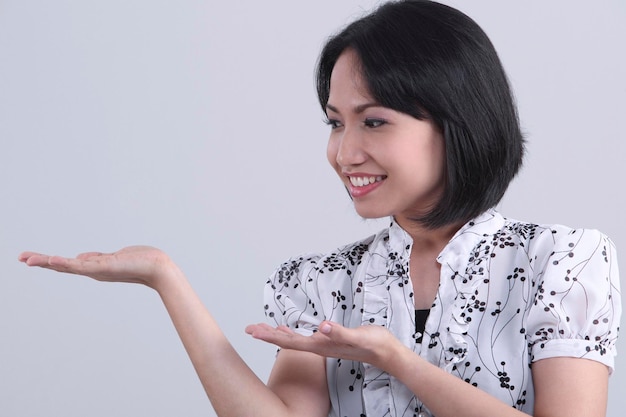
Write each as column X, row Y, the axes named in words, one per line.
column 331, row 152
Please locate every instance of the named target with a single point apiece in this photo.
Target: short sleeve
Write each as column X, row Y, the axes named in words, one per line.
column 577, row 305
column 291, row 298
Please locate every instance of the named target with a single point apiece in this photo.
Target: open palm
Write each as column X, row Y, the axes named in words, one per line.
column 136, row 264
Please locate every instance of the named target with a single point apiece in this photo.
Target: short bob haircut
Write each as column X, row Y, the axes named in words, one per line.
column 433, row 62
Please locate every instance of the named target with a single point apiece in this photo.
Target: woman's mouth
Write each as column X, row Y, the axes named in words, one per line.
column 363, row 181
column 362, row 185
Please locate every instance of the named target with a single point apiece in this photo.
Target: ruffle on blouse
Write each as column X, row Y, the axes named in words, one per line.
column 455, row 345
column 462, row 272
column 458, row 282
column 390, row 261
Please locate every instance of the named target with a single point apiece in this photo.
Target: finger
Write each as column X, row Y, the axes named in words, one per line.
column 35, row 259
column 260, row 328
column 88, row 255
column 285, row 329
column 24, row 256
column 55, row 263
column 250, row 328
column 58, row 262
column 325, row 327
column 44, row 261
column 336, row 332
column 277, row 336
column 92, row 267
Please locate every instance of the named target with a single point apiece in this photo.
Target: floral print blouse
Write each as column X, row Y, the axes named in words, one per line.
column 510, row 293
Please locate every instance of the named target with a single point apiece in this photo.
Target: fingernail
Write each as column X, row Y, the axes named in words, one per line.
column 325, row 328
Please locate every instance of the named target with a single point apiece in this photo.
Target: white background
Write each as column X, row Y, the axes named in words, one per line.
column 193, row 126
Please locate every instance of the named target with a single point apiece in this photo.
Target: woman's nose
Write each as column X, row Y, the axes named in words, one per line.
column 350, row 151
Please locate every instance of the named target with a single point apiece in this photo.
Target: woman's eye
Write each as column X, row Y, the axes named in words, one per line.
column 334, row 124
column 369, row 122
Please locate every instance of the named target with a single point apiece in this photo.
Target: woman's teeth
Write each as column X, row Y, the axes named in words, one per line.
column 362, row 181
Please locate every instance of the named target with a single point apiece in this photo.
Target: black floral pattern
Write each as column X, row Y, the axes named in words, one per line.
column 510, row 293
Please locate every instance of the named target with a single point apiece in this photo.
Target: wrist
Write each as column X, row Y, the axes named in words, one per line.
column 401, row 360
column 166, row 273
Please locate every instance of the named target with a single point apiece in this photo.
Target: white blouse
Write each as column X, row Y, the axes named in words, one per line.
column 510, row 293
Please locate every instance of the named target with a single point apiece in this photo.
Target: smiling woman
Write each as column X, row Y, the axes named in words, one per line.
column 444, row 72
column 391, row 162
column 449, row 309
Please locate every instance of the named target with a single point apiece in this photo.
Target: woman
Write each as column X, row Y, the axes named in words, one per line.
column 451, row 310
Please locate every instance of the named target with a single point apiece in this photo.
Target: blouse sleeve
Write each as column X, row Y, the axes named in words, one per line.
column 290, row 296
column 577, row 305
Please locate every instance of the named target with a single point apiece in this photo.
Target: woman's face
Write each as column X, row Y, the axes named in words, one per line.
column 390, row 162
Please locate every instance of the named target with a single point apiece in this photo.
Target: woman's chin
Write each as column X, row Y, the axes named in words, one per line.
column 370, row 212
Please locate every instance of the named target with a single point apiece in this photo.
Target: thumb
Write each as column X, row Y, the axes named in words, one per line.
column 336, row 332
column 326, row 327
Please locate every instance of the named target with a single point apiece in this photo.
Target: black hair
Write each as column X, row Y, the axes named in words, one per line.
column 433, row 62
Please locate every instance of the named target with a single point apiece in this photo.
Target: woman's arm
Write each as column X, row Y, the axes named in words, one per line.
column 298, row 383
column 564, row 387
column 570, row 387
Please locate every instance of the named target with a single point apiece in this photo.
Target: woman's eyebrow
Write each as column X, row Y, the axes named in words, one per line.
column 357, row 109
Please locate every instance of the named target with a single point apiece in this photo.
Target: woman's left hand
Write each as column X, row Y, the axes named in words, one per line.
column 371, row 344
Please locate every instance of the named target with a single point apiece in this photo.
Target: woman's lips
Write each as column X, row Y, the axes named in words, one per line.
column 360, row 185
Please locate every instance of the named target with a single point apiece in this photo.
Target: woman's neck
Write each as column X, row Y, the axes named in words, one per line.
column 427, row 239
column 423, row 265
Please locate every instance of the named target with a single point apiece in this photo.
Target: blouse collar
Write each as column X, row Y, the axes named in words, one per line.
column 463, row 241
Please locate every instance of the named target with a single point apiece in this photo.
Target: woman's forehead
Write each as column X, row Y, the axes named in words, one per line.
column 347, row 81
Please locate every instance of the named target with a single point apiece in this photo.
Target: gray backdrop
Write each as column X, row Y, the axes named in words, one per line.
column 193, row 126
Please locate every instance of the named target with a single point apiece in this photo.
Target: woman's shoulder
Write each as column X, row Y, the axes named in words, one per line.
column 505, row 238
column 351, row 253
column 563, row 250
column 299, row 289
column 550, row 235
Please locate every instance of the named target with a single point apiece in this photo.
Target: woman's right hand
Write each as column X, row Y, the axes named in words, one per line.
column 137, row 264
